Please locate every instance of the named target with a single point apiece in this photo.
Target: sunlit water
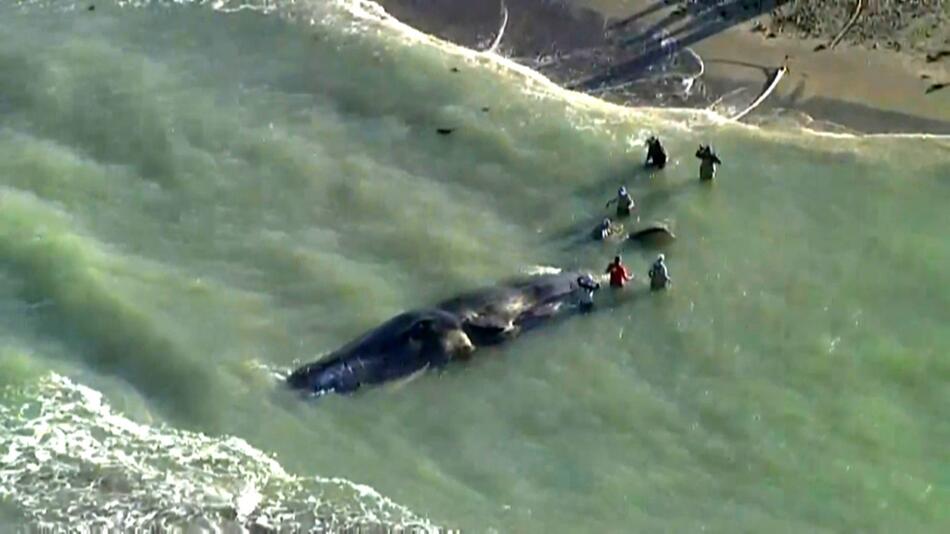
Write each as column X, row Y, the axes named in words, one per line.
column 193, row 201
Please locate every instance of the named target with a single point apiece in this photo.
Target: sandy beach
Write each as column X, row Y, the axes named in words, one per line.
column 886, row 74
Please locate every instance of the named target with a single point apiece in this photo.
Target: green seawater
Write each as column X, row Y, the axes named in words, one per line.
column 193, row 201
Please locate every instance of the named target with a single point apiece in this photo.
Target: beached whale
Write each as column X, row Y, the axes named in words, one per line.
column 432, row 337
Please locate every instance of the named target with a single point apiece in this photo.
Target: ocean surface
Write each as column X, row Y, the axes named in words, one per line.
column 195, row 198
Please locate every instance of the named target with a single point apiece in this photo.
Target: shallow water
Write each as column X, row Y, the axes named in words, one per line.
column 194, row 200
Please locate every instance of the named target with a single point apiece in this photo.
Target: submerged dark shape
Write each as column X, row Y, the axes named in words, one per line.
column 454, row 329
column 654, row 233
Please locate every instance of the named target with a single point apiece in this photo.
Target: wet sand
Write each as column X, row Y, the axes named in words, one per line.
column 632, row 52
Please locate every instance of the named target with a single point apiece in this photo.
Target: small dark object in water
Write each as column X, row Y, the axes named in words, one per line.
column 820, row 47
column 936, row 87
column 486, row 109
column 454, row 69
column 91, row 8
column 937, row 56
column 445, row 131
column 655, row 233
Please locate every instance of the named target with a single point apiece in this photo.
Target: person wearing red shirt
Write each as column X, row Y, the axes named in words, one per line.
column 619, row 275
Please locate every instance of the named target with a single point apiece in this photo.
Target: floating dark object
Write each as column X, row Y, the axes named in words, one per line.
column 445, row 131
column 454, row 69
column 653, row 234
column 486, row 109
column 91, row 8
column 936, row 87
column 937, row 56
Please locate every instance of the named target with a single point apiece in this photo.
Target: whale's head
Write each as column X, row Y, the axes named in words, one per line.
column 399, row 347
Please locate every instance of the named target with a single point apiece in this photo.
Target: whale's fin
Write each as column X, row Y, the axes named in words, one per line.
column 323, row 377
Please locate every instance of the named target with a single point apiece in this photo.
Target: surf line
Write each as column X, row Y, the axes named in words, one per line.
column 777, row 77
column 501, row 30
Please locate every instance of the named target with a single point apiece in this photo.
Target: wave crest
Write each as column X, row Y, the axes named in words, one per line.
column 68, row 459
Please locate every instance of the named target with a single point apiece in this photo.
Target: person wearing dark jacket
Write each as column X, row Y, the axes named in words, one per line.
column 656, row 154
column 707, row 162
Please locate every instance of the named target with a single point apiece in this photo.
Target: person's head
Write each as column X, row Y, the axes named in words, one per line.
column 661, row 258
column 622, row 192
column 606, row 222
column 617, row 259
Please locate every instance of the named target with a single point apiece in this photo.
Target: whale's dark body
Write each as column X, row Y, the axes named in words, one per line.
column 432, row 337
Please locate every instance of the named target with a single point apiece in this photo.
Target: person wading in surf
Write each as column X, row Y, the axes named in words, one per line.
column 625, row 203
column 707, row 162
column 619, row 274
column 588, row 285
column 659, row 274
column 656, row 154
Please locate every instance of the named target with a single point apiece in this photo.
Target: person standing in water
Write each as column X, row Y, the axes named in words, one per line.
column 588, row 285
column 625, row 203
column 619, row 275
column 656, row 154
column 707, row 162
column 603, row 230
column 659, row 274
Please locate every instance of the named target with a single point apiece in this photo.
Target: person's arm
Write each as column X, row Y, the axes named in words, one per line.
column 611, row 201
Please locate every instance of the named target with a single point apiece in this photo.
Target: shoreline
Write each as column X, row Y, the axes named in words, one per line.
column 615, row 50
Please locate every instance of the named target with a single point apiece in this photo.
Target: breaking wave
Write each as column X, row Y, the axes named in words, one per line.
column 66, row 458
